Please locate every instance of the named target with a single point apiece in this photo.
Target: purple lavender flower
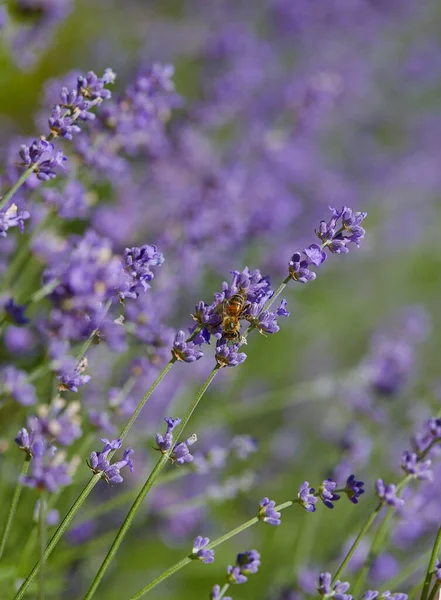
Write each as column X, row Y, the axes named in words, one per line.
column 430, row 435
column 72, row 202
column 61, row 124
column 354, row 489
column 268, row 513
column 75, row 379
column 110, row 472
column 41, row 155
column 215, row 593
column 139, row 263
column 228, row 356
column 50, row 471
column 59, row 421
column 437, row 572
column 181, row 453
column 15, row 384
column 281, row 311
column 306, row 497
column 388, row 494
column 326, row 493
column 299, row 268
column 249, row 562
column 243, row 446
column 235, row 576
column 413, row 465
column 350, row 230
column 30, row 442
column 15, row 312
column 165, row 442
column 198, row 552
column 185, row 351
column 12, row 217
column 338, row 591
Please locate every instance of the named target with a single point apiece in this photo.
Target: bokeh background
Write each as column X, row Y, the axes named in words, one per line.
column 282, row 108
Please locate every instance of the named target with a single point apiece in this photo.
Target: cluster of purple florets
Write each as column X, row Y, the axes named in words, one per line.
column 110, row 472
column 178, row 453
column 327, row 493
column 339, row 589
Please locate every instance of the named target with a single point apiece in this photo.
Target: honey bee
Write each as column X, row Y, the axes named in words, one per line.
column 233, row 309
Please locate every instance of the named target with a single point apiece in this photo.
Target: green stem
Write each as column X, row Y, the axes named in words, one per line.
column 187, row 560
column 43, row 536
column 432, row 565
column 89, row 486
column 223, row 591
column 25, row 175
column 146, row 488
column 14, row 503
column 358, row 539
column 434, row 591
column 58, row 534
column 165, row 575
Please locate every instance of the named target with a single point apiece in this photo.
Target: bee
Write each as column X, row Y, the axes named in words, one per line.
column 232, row 312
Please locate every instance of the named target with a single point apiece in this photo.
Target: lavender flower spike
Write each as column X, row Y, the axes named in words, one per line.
column 215, row 593
column 267, row 513
column 181, row 453
column 326, row 493
column 185, row 351
column 12, row 217
column 166, row 442
column 110, row 472
column 338, row 592
column 388, row 494
column 306, row 497
column 354, row 489
column 420, row 469
column 228, row 356
column 198, row 552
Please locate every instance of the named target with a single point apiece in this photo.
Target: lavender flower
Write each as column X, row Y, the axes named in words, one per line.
column 110, row 472
column 326, row 493
column 198, row 552
column 388, row 494
column 12, row 217
column 354, row 489
column 215, row 593
column 59, row 421
column 413, row 465
column 247, row 563
column 350, row 230
column 268, row 513
column 181, row 453
column 75, row 379
column 299, row 268
column 430, row 435
column 15, row 384
column 338, row 591
column 15, row 312
column 50, row 471
column 185, row 351
column 139, row 263
column 165, row 442
column 306, row 497
column 30, row 442
column 43, row 158
column 228, row 356
column 437, row 572
column 386, row 595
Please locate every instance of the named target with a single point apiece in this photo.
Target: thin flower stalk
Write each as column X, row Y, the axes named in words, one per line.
column 146, row 488
column 220, row 540
column 43, row 537
column 431, row 566
column 14, row 504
